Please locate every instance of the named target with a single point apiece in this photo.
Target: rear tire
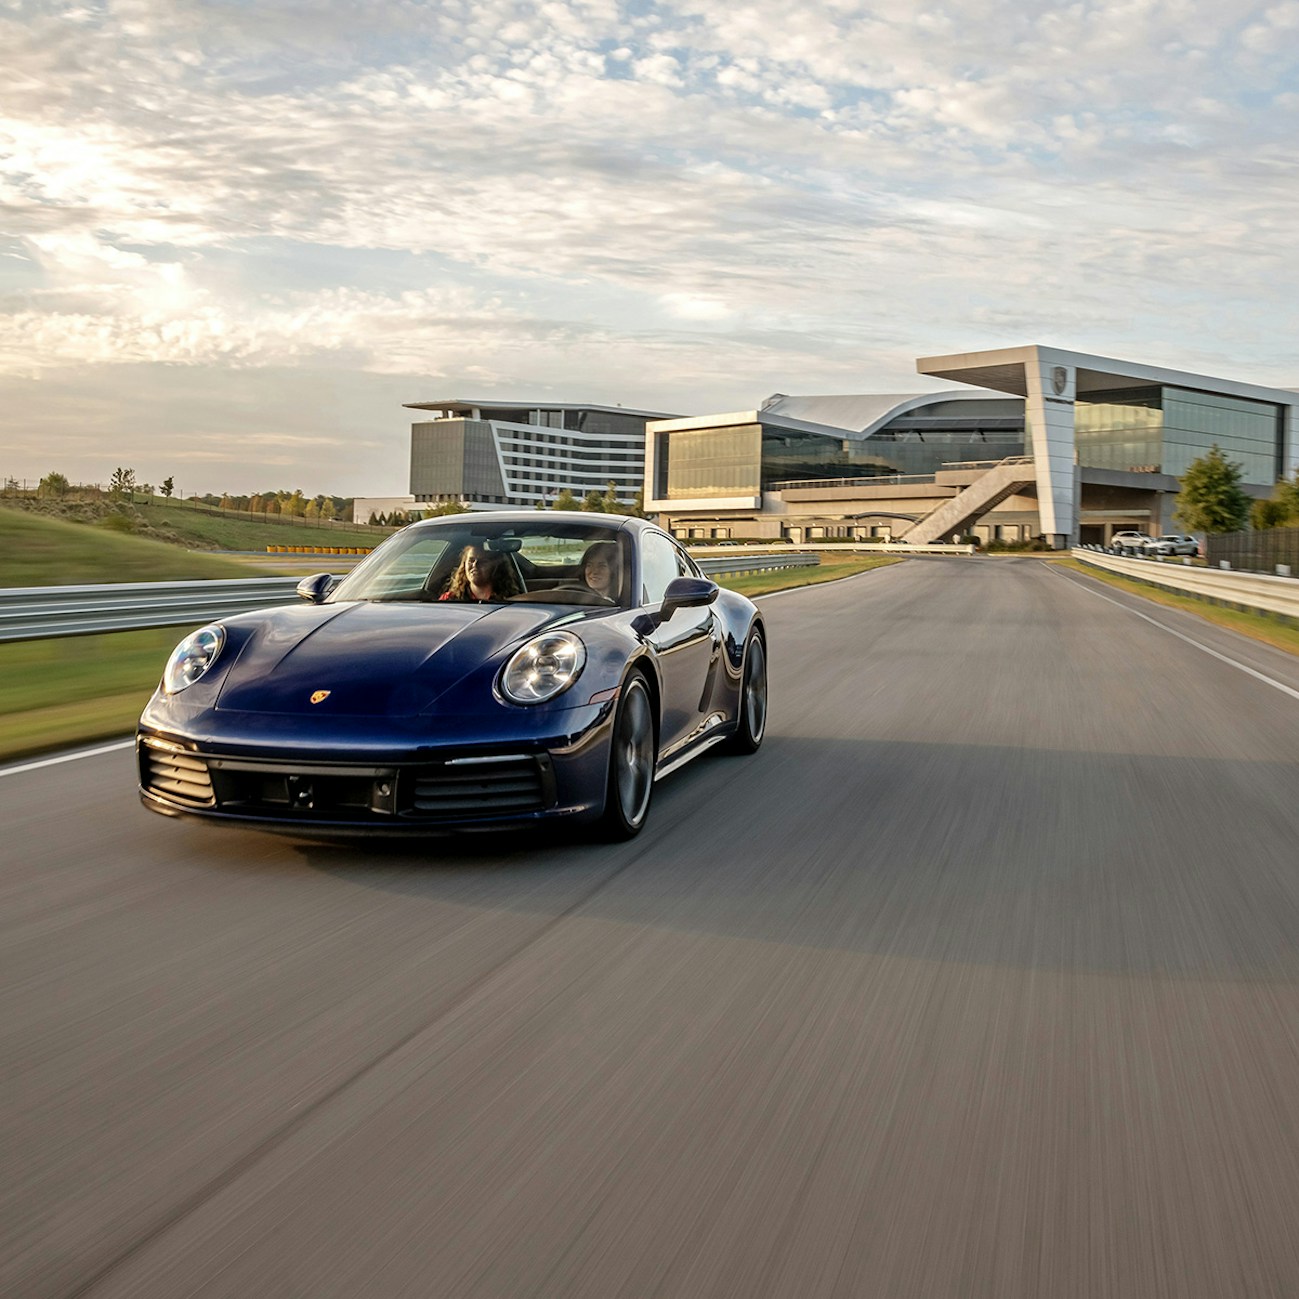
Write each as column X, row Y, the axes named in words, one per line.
column 752, row 706
column 633, row 756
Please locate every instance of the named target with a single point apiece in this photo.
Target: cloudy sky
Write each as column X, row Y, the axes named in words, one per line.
column 235, row 237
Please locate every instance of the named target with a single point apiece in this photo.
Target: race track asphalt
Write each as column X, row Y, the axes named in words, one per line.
column 980, row 979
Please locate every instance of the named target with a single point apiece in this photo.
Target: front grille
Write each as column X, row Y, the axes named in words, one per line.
column 478, row 787
column 176, row 776
column 458, row 789
column 320, row 791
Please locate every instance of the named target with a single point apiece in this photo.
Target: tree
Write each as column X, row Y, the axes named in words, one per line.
column 1287, row 495
column 594, row 501
column 295, row 505
column 53, row 485
column 1211, row 499
column 168, row 486
column 637, row 507
column 122, row 483
column 312, row 511
column 1267, row 514
column 327, row 509
column 256, row 505
column 611, row 504
column 566, row 500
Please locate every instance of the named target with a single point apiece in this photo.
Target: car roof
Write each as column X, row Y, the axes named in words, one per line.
column 491, row 517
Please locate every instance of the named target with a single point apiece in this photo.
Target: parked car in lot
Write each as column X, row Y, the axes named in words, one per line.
column 1173, row 543
column 1130, row 543
column 599, row 659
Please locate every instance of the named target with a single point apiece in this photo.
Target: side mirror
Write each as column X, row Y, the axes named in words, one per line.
column 686, row 593
column 316, row 587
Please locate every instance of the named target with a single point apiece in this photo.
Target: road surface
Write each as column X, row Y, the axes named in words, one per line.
column 979, row 980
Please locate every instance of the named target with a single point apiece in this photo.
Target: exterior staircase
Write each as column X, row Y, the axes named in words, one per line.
column 960, row 512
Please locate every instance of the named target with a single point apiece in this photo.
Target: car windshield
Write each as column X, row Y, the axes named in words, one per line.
column 473, row 559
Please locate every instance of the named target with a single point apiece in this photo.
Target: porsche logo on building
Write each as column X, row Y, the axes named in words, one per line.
column 319, row 696
column 1059, row 380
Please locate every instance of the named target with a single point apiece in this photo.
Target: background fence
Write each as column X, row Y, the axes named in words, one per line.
column 1255, row 552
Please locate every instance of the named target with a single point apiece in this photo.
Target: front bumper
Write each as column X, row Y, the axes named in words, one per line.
column 372, row 781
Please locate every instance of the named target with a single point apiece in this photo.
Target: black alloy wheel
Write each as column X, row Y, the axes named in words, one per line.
column 632, row 758
column 752, row 707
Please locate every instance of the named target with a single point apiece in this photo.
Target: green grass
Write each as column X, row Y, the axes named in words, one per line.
column 36, row 551
column 1258, row 626
column 74, row 689
column 219, row 531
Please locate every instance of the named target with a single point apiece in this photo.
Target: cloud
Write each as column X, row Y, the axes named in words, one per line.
column 517, row 193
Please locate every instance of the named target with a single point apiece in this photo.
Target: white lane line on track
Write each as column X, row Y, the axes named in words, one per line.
column 1222, row 658
column 66, row 757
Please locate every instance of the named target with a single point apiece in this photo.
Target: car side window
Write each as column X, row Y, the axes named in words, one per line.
column 659, row 565
column 686, row 567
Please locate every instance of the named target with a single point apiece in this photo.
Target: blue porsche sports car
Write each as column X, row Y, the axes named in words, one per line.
column 475, row 670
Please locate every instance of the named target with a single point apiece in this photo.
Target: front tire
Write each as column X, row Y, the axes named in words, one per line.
column 633, row 755
column 752, row 707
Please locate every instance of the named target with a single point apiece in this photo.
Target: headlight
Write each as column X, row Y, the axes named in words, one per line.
column 543, row 668
column 192, row 658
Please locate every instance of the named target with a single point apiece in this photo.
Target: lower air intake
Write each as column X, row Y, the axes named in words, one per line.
column 178, row 777
column 478, row 787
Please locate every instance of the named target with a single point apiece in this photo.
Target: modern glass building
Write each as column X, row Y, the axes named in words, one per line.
column 494, row 455
column 805, row 439
column 1162, row 429
column 1050, row 443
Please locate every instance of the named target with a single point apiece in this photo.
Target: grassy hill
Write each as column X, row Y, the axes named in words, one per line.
column 207, row 528
column 198, row 526
column 37, row 551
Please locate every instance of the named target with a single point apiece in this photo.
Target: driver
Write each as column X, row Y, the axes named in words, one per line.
column 602, row 568
column 481, row 576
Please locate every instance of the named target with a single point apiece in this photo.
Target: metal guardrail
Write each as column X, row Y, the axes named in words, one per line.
column 757, row 563
column 33, row 613
column 1257, row 592
column 38, row 612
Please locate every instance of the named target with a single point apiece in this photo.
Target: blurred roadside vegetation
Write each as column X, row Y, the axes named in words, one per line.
column 164, row 544
column 37, row 551
column 71, row 690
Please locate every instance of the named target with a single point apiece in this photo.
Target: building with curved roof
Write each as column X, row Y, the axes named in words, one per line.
column 1048, row 443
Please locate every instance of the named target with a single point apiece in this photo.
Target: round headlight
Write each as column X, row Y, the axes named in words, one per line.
column 192, row 658
column 543, row 668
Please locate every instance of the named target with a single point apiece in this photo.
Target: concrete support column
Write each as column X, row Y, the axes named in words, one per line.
column 1049, row 409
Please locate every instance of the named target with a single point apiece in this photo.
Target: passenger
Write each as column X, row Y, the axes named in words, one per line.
column 602, row 569
column 480, row 577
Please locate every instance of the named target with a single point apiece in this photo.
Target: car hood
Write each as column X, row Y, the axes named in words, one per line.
column 370, row 659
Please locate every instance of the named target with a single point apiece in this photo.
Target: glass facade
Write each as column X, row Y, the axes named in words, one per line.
column 1249, row 432
column 695, row 464
column 1124, row 431
column 1148, row 430
column 919, row 445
